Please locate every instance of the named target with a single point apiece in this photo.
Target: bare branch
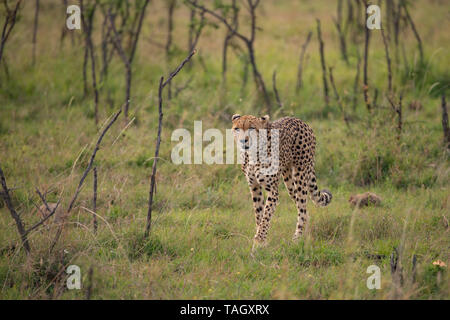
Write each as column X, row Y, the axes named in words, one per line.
column 12, row 211
column 275, row 90
column 322, row 61
column 10, row 22
column 51, row 212
column 127, row 60
column 35, row 28
column 86, row 171
column 445, row 127
column 162, row 84
column 413, row 26
column 302, row 58
column 338, row 98
column 94, row 204
column 388, row 60
column 366, row 58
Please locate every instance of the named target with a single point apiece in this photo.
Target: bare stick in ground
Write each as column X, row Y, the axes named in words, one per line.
column 397, row 108
column 341, row 33
column 275, row 90
column 356, row 83
column 413, row 26
column 83, row 177
column 191, row 27
column 8, row 25
column 162, row 84
column 338, row 98
column 388, row 60
column 35, row 28
column 94, row 201
column 396, row 270
column 390, row 10
column 89, row 288
column 322, row 61
column 48, row 216
column 342, row 43
column 13, row 212
column 397, row 14
column 105, row 40
column 414, row 268
column 244, row 74
column 445, row 127
column 127, row 60
column 168, row 46
column 375, row 98
column 229, row 35
column 300, row 64
column 366, row 62
column 19, row 223
column 88, row 26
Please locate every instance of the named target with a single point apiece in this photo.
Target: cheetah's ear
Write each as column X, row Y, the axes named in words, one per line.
column 235, row 117
column 265, row 118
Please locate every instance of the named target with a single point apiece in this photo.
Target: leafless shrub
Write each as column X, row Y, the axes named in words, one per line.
column 83, row 177
column 249, row 41
column 35, row 29
column 118, row 44
column 162, row 84
column 366, row 63
column 87, row 18
column 338, row 98
column 323, row 63
column 8, row 24
column 445, row 127
column 301, row 61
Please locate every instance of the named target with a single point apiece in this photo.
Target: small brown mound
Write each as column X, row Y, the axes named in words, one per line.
column 365, row 199
column 415, row 105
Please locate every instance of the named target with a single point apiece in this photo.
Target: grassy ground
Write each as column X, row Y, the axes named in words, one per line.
column 203, row 225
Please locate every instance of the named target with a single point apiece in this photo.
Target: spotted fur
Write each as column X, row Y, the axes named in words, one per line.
column 296, row 166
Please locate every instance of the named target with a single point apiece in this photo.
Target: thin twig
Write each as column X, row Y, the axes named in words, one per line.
column 388, row 60
column 51, row 212
column 14, row 215
column 10, row 22
column 275, row 90
column 413, row 26
column 94, row 200
column 366, row 62
column 338, row 98
column 86, row 171
column 445, row 127
column 300, row 64
column 162, row 84
column 323, row 63
column 35, row 29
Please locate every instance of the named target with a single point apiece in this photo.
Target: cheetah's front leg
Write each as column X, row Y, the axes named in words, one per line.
column 269, row 209
column 258, row 201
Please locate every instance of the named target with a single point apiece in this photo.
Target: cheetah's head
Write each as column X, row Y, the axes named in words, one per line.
column 245, row 128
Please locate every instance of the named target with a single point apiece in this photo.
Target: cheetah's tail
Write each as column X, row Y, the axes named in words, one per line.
column 322, row 197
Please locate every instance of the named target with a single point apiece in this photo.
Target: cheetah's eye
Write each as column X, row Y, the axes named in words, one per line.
column 236, row 129
column 251, row 128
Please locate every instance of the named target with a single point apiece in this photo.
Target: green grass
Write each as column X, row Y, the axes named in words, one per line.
column 203, row 224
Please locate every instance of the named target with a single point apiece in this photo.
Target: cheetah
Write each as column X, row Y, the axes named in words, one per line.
column 296, row 148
